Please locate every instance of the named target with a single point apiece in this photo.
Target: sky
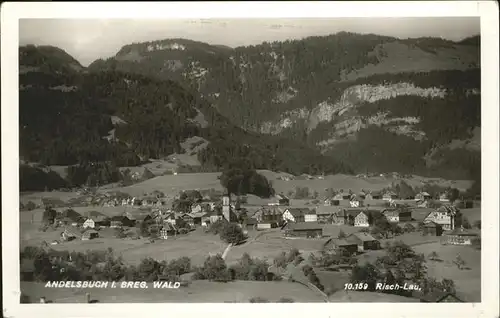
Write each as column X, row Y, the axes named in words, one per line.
column 90, row 39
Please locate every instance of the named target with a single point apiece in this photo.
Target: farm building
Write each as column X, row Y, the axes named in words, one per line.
column 389, row 195
column 72, row 217
column 325, row 214
column 167, row 230
column 90, row 234
column 250, row 223
column 311, row 216
column 373, row 195
column 295, row 214
column 461, row 236
column 331, row 202
column 282, row 200
column 68, row 235
column 364, row 241
column 264, row 225
column 342, row 196
column 432, row 228
column 121, row 220
column 305, row 229
column 339, row 217
column 337, row 245
column 423, row 196
column 397, row 215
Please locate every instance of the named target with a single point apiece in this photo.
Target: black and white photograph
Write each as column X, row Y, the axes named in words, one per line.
column 274, row 158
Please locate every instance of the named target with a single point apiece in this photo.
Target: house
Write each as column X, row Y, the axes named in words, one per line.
column 167, row 230
column 90, row 234
column 295, row 214
column 339, row 196
column 311, row 216
column 197, row 216
column 432, row 228
column 423, row 196
column 364, row 241
column 339, row 217
column 354, row 202
column 324, row 214
column 355, row 217
column 397, row 215
column 361, row 220
column 443, row 216
column 68, row 235
column 305, row 229
column 89, row 223
column 269, row 215
column 337, row 245
column 389, row 195
column 121, row 220
column 196, row 208
column 461, row 236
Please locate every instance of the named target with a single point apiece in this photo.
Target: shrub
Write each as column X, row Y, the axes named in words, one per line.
column 231, row 233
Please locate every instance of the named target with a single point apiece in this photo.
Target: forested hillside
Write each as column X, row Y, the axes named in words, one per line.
column 98, row 121
column 360, row 98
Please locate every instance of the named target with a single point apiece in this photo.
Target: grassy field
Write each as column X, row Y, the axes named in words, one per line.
column 196, row 292
column 268, row 244
column 401, row 57
column 172, row 184
column 196, row 245
column 467, row 281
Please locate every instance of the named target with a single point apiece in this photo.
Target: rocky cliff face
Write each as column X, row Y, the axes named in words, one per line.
column 328, row 90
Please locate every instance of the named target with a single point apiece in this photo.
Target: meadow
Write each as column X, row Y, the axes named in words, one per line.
column 195, row 292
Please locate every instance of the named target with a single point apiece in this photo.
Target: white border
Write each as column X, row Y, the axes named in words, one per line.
column 488, row 11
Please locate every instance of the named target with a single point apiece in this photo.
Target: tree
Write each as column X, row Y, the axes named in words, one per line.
column 243, row 181
column 232, row 233
column 301, row 193
column 453, row 194
column 459, row 261
column 342, row 234
column 405, row 191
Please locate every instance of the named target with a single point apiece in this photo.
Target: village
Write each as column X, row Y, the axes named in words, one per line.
column 350, row 221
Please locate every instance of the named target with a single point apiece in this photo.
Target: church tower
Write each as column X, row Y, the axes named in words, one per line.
column 226, row 206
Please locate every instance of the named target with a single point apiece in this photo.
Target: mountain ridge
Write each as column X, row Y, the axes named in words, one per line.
column 304, row 92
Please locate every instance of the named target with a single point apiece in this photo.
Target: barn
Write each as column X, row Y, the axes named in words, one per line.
column 306, row 229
